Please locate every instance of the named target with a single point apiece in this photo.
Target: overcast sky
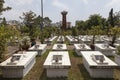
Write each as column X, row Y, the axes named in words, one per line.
column 77, row 9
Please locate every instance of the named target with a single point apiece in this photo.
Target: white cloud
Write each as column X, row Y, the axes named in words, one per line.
column 113, row 3
column 85, row 1
column 13, row 14
column 21, row 2
column 60, row 5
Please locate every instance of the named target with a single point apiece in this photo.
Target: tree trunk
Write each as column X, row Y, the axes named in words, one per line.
column 92, row 46
column 113, row 40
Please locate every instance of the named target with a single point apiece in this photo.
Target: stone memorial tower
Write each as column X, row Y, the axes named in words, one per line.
column 64, row 22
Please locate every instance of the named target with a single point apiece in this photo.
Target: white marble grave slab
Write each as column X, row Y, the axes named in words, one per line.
column 57, row 64
column 81, row 47
column 40, row 48
column 18, row 65
column 105, row 49
column 97, row 67
column 59, row 47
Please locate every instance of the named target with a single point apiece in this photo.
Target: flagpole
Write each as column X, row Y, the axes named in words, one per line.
column 42, row 14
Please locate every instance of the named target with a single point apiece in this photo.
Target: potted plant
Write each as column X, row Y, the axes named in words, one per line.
column 33, row 42
column 25, row 43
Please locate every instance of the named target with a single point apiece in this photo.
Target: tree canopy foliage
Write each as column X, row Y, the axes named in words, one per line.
column 2, row 8
column 111, row 18
column 33, row 23
column 6, row 32
column 94, row 20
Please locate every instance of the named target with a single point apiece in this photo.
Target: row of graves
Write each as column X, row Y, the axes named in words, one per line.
column 87, row 39
column 97, row 62
column 20, row 63
column 57, row 63
column 50, row 40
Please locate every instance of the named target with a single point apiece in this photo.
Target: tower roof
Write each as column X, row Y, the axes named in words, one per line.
column 64, row 12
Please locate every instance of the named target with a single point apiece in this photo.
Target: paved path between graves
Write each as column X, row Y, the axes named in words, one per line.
column 70, row 47
column 11, row 50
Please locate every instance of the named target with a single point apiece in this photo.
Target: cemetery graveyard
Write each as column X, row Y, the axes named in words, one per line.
column 58, row 61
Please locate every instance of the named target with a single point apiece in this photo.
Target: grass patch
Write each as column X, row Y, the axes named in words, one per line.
column 37, row 72
column 66, row 41
column 111, row 57
column 77, row 71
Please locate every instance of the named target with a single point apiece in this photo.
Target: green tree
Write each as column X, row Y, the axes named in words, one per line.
column 6, row 32
column 81, row 26
column 104, row 23
column 24, row 30
column 37, row 21
column 4, row 21
column 111, row 18
column 74, row 31
column 47, row 22
column 117, row 18
column 95, row 30
column 67, row 32
column 29, row 20
column 94, row 20
column 115, row 32
column 2, row 8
